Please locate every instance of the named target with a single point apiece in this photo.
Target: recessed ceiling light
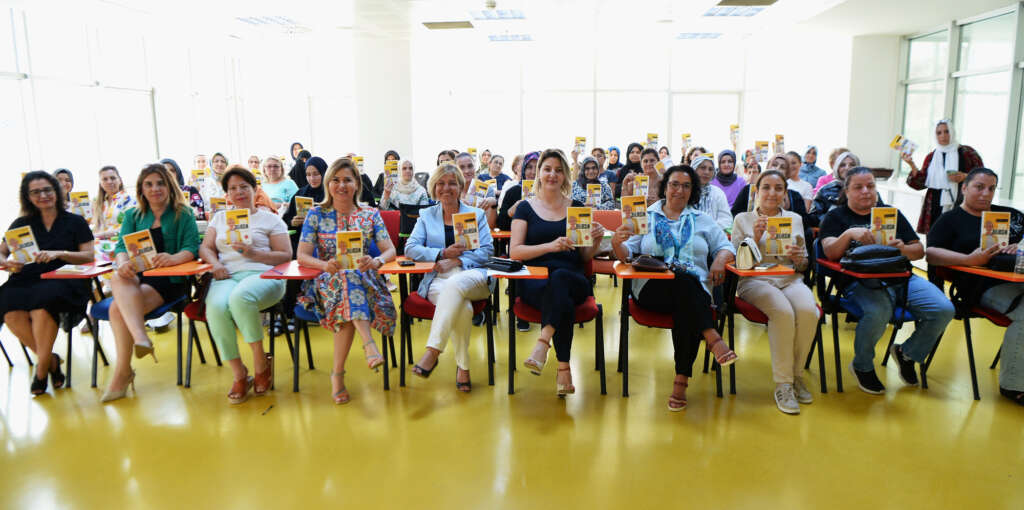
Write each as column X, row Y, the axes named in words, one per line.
column 497, row 14
column 510, row 37
column 447, row 25
column 733, row 11
column 699, row 35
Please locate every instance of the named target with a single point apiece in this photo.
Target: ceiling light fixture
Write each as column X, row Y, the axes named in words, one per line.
column 733, row 11
column 446, row 25
column 497, row 14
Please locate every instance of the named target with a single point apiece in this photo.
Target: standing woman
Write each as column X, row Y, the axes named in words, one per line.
column 943, row 171
column 192, row 195
column 346, row 300
column 279, row 189
column 162, row 210
column 30, row 305
column 406, row 191
column 237, row 293
column 112, row 201
column 793, row 180
column 295, row 149
column 514, row 194
column 613, row 159
column 664, row 153
column 538, row 239
column 685, row 239
column 727, row 179
column 67, row 182
column 809, row 171
column 712, row 199
column 788, row 303
column 591, row 174
column 632, row 166
column 298, row 172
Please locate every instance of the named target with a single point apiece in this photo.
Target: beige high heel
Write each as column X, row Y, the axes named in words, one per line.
column 341, row 396
column 536, row 367
column 565, row 389
column 111, row 395
column 143, row 350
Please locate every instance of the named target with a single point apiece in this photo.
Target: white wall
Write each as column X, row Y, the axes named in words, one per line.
column 874, row 81
column 383, row 85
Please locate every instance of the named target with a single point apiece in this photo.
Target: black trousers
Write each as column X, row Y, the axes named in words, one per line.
column 689, row 305
column 557, row 298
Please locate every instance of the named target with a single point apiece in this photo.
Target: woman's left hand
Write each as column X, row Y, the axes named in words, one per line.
column 445, row 265
column 957, row 177
column 795, row 254
column 717, row 272
column 244, row 249
column 596, row 234
column 47, row 256
column 1009, row 249
column 366, row 263
column 162, row 260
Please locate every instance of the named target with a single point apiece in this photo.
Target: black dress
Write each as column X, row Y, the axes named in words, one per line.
column 26, row 291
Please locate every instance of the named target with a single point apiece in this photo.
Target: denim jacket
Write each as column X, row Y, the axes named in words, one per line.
column 426, row 242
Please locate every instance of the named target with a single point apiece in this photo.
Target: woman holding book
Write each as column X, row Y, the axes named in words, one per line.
column 788, row 303
column 514, row 194
column 684, row 238
column 590, row 177
column 941, row 174
column 793, row 180
column 237, row 293
column 713, row 201
column 112, row 200
column 405, row 190
column 792, row 201
column 648, row 168
column 192, row 195
column 953, row 240
column 458, row 278
column 473, row 197
column 492, row 171
column 727, row 179
column 280, row 189
column 829, row 195
column 809, row 171
column 29, row 305
column 848, row 225
column 346, row 299
column 162, row 212
column 632, row 166
column 539, row 239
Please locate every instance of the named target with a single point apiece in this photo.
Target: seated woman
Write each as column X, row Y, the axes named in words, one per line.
column 954, row 240
column 727, row 179
column 713, row 201
column 847, row 226
column 788, row 303
column 67, row 182
column 457, row 280
column 346, row 300
column 162, row 210
column 277, row 185
column 794, row 181
column 591, row 175
column 491, row 170
column 513, row 194
column 538, row 239
column 29, row 305
column 632, row 166
column 648, row 162
column 489, row 202
column 237, row 293
column 792, row 201
column 828, row 195
column 405, row 191
column 192, row 195
column 112, row 200
column 685, row 238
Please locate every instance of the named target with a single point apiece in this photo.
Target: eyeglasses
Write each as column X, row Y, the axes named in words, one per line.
column 40, row 192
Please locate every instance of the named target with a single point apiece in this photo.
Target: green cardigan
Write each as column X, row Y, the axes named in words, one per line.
column 180, row 231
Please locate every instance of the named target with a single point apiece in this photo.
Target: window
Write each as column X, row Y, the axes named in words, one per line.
column 924, row 99
column 979, row 115
column 923, row 108
column 927, row 56
column 987, row 43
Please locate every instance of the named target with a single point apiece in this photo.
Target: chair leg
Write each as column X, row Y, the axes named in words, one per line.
column 27, row 357
column 821, row 355
column 192, row 335
column 96, row 340
column 8, row 358
column 810, row 353
column 835, row 346
column 970, row 358
column 718, row 378
column 707, row 358
column 394, row 362
column 179, row 350
column 384, row 343
column 309, row 351
column 615, row 281
column 732, row 346
column 599, row 346
column 928, row 363
column 490, row 346
column 892, row 340
column 300, row 325
column 995, row 360
column 95, row 354
column 68, row 328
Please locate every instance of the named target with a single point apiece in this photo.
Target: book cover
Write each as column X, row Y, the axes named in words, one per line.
column 349, row 248
column 391, row 171
column 140, row 249
column 218, row 204
column 734, row 135
column 642, row 184
column 995, row 229
column 81, row 205
column 358, row 161
column 237, row 230
column 480, row 191
column 577, row 225
column 780, row 144
column 903, row 145
column 528, row 189
column 472, row 152
column 778, row 236
column 761, row 150
column 303, row 205
column 883, row 224
column 199, row 174
column 593, row 195
column 580, row 144
column 466, row 231
column 652, row 140
column 687, row 142
column 22, row 244
column 634, row 209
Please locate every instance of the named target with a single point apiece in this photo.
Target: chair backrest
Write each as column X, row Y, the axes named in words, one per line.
column 422, row 178
column 820, row 272
column 409, row 214
column 391, row 221
column 610, row 220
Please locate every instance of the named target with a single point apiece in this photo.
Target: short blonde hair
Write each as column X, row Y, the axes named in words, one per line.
column 339, row 165
column 567, row 170
column 442, row 170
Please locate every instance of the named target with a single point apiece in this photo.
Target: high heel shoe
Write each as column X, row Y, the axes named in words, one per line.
column 263, row 381
column 676, row 404
column 565, row 389
column 57, row 377
column 38, row 385
column 143, row 350
column 422, row 372
column 341, row 396
column 464, row 387
column 727, row 357
column 536, row 367
column 110, row 394
column 373, row 361
column 240, row 390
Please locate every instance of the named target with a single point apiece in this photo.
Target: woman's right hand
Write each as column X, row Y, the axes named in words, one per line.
column 453, row 252
column 559, row 245
column 331, row 266
column 12, row 266
column 220, row 272
column 126, row 270
column 909, row 160
column 981, row 257
column 623, row 233
column 627, row 185
column 298, row 221
column 760, row 225
column 862, row 235
column 512, row 209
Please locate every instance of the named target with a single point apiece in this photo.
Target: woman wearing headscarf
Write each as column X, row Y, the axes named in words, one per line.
column 405, row 190
column 828, row 195
column 833, row 158
column 314, row 189
column 378, row 187
column 632, row 166
column 712, row 199
column 809, row 171
column 298, row 171
column 192, row 195
column 613, row 159
column 747, row 199
column 727, row 179
column 943, row 171
column 591, row 174
column 514, row 193
column 295, row 149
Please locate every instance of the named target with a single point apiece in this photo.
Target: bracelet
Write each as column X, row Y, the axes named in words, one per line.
column 379, row 261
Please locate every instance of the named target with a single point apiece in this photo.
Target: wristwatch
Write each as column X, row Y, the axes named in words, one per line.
column 379, row 261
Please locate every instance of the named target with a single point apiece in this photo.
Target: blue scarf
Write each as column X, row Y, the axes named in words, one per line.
column 676, row 250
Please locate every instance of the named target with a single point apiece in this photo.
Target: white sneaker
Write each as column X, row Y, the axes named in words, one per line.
column 803, row 394
column 161, row 321
column 785, row 399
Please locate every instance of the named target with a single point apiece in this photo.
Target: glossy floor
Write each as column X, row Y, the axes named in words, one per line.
column 425, row 446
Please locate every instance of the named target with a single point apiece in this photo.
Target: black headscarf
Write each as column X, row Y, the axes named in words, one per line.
column 292, row 149
column 177, row 170
column 629, row 167
column 317, row 194
column 298, row 172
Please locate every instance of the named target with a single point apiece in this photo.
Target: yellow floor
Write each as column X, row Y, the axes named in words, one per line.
column 425, row 446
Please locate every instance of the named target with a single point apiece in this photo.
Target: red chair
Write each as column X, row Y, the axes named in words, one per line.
column 418, row 307
column 588, row 311
column 392, row 221
column 610, row 220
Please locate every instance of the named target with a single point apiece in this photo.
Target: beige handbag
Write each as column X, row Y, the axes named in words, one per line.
column 747, row 256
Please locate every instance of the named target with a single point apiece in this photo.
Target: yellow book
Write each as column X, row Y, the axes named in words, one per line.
column 642, row 184
column 303, row 205
column 22, row 244
column 358, row 161
column 903, row 145
column 652, row 140
column 237, row 230
column 391, row 171
column 761, row 150
column 593, row 195
column 580, row 144
column 995, row 229
column 634, row 209
column 734, row 134
column 687, row 141
column 709, row 155
column 883, row 224
column 466, row 231
column 81, row 205
column 577, row 225
column 780, row 144
column 199, row 174
column 218, row 204
column 528, row 189
column 140, row 249
column 349, row 248
column 778, row 236
column 472, row 152
column 480, row 191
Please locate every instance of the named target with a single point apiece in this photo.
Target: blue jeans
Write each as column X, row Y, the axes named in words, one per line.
column 1011, row 364
column 924, row 300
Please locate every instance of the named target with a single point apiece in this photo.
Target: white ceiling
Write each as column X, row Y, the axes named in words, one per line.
column 897, row 17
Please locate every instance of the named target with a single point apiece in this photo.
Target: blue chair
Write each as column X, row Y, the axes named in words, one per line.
column 302, row 318
column 101, row 312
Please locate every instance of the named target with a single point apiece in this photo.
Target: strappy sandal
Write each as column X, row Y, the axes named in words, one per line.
column 373, row 361
column 565, row 389
column 240, row 390
column 464, row 387
column 536, row 367
column 424, row 373
column 725, row 358
column 1016, row 396
column 341, row 396
column 263, row 381
column 57, row 377
column 38, row 385
column 676, row 404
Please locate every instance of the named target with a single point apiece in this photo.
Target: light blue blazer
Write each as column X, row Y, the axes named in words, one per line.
column 426, row 242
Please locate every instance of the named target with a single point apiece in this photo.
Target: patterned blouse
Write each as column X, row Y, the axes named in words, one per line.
column 109, row 214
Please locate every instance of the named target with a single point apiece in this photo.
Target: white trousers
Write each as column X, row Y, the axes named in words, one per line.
column 453, row 294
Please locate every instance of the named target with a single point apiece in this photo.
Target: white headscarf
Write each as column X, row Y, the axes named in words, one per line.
column 839, row 161
column 406, row 187
column 937, row 178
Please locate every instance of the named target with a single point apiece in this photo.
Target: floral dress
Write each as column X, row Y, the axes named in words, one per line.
column 110, row 219
column 350, row 294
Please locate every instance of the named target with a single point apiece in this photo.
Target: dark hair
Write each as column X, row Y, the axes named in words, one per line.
column 175, row 198
column 597, row 149
column 665, row 148
column 27, row 207
column 689, row 154
column 304, row 155
column 694, row 182
column 239, row 171
column 857, row 170
column 657, row 157
column 776, row 173
column 979, row 171
column 177, row 170
column 449, row 153
column 796, row 155
column 71, row 177
column 392, row 153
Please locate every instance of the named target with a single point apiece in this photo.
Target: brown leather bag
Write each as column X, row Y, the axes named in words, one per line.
column 649, row 263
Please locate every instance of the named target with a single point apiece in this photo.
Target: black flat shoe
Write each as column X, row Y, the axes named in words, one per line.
column 38, row 385
column 56, row 375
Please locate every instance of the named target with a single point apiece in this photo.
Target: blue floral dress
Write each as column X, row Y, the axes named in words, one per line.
column 350, row 294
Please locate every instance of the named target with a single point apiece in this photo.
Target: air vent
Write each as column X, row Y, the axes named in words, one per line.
column 510, row 38
column 732, row 12
column 747, row 3
column 698, row 35
column 446, row 25
column 497, row 14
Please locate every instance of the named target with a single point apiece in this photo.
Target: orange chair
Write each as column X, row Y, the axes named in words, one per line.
column 610, row 220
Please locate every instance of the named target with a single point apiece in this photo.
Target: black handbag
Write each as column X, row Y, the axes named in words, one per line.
column 649, row 263
column 504, row 265
column 1002, row 262
column 875, row 259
